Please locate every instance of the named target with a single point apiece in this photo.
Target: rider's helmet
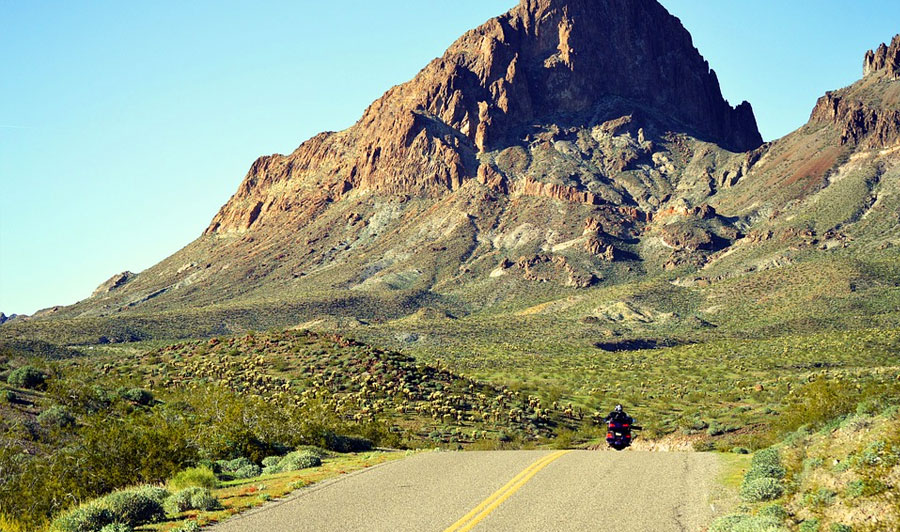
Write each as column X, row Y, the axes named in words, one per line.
column 618, row 408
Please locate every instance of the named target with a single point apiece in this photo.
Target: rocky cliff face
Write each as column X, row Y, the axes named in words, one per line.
column 562, row 62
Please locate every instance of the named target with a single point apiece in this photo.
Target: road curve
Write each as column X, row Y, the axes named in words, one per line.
column 518, row 491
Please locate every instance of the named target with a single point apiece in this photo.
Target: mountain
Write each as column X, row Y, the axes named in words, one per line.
column 565, row 148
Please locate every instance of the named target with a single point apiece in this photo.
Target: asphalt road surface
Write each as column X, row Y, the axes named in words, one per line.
column 518, row 491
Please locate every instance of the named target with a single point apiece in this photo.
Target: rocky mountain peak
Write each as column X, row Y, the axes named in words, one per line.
column 885, row 58
column 545, row 63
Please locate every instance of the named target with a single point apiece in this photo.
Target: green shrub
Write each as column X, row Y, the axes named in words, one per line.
column 872, row 455
column 318, row 451
column 300, row 460
column 838, row 527
column 761, row 489
column 26, row 377
column 117, row 527
column 776, row 511
column 191, row 499
column 760, row 524
column 195, row 476
column 157, row 493
column 855, row 489
column 239, row 468
column 715, row 428
column 133, row 507
column 248, row 471
column 821, row 497
column 813, row 463
column 740, row 450
column 136, row 395
column 188, row 526
column 294, row 461
column 727, row 523
column 765, row 464
column 89, row 517
column 810, row 525
column 270, row 461
column 746, row 523
column 56, row 417
column 9, row 396
column 347, row 444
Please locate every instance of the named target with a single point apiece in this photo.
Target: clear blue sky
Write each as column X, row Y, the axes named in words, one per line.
column 124, row 126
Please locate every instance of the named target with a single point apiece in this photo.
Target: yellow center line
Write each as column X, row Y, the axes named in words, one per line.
column 487, row 506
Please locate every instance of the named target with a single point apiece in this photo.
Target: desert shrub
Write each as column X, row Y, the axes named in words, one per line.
column 765, row 464
column 294, row 461
column 157, row 493
column 299, row 460
column 117, row 527
column 810, row 525
column 194, row 476
column 191, row 499
column 133, row 507
column 872, row 455
column 820, row 497
column 270, row 461
column 740, row 450
column 855, row 489
column 813, row 463
column 26, row 377
column 347, row 444
column 746, row 523
column 188, row 526
column 239, row 468
column 56, row 417
column 761, row 489
column 839, row 527
column 89, row 517
column 760, row 524
column 136, row 395
column 248, row 471
column 715, row 428
column 776, row 511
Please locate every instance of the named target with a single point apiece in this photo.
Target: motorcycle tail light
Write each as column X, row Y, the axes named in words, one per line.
column 628, row 435
column 609, row 434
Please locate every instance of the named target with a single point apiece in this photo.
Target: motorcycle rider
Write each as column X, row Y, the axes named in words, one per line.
column 619, row 416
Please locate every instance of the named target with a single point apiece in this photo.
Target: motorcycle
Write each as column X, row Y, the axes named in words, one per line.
column 619, row 436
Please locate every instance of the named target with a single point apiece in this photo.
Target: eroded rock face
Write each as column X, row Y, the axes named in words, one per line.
column 859, row 123
column 885, row 58
column 544, row 62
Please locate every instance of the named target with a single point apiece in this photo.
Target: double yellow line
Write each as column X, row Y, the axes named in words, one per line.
column 490, row 504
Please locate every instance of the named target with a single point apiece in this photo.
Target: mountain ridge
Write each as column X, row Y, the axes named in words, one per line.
column 430, row 200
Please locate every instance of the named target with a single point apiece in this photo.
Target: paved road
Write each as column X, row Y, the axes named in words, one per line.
column 504, row 491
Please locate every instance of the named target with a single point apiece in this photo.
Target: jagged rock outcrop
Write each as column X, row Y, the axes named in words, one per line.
column 116, row 281
column 885, row 58
column 861, row 119
column 543, row 62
